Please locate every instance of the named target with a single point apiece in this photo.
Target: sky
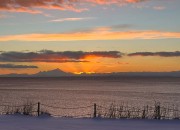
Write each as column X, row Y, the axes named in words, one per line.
column 89, row 36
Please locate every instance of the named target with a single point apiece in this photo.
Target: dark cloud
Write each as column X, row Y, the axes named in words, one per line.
column 52, row 56
column 162, row 54
column 12, row 66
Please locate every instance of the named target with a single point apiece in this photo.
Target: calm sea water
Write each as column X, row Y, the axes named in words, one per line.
column 77, row 92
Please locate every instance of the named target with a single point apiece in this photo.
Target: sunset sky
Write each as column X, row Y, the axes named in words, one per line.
column 91, row 36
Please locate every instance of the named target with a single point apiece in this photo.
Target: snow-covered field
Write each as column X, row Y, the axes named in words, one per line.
column 18, row 122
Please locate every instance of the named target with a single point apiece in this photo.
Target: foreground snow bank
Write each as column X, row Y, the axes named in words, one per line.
column 18, row 122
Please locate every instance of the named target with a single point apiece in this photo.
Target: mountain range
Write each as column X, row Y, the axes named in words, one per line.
column 60, row 73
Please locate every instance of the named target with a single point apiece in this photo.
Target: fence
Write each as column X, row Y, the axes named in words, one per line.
column 94, row 111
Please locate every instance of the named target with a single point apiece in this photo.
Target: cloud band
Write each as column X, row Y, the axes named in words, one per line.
column 161, row 54
column 12, row 66
column 52, row 56
column 105, row 33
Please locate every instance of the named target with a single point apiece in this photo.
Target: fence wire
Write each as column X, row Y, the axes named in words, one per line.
column 55, row 107
column 90, row 111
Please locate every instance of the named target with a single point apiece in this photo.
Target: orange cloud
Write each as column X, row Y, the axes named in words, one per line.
column 33, row 6
column 119, row 2
column 96, row 34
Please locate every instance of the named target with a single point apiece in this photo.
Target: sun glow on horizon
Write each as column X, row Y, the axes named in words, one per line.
column 79, row 73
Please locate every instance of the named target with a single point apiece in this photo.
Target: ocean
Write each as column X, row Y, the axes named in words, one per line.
column 85, row 91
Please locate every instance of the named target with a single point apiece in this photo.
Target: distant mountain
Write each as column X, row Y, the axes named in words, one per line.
column 52, row 73
column 60, row 73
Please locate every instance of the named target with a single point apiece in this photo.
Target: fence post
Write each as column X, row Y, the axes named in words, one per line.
column 144, row 113
column 94, row 110
column 38, row 110
column 158, row 112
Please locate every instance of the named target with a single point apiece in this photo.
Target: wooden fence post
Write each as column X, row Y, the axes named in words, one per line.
column 94, row 110
column 144, row 113
column 158, row 112
column 38, row 110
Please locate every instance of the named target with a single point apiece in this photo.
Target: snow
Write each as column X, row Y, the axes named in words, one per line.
column 20, row 122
